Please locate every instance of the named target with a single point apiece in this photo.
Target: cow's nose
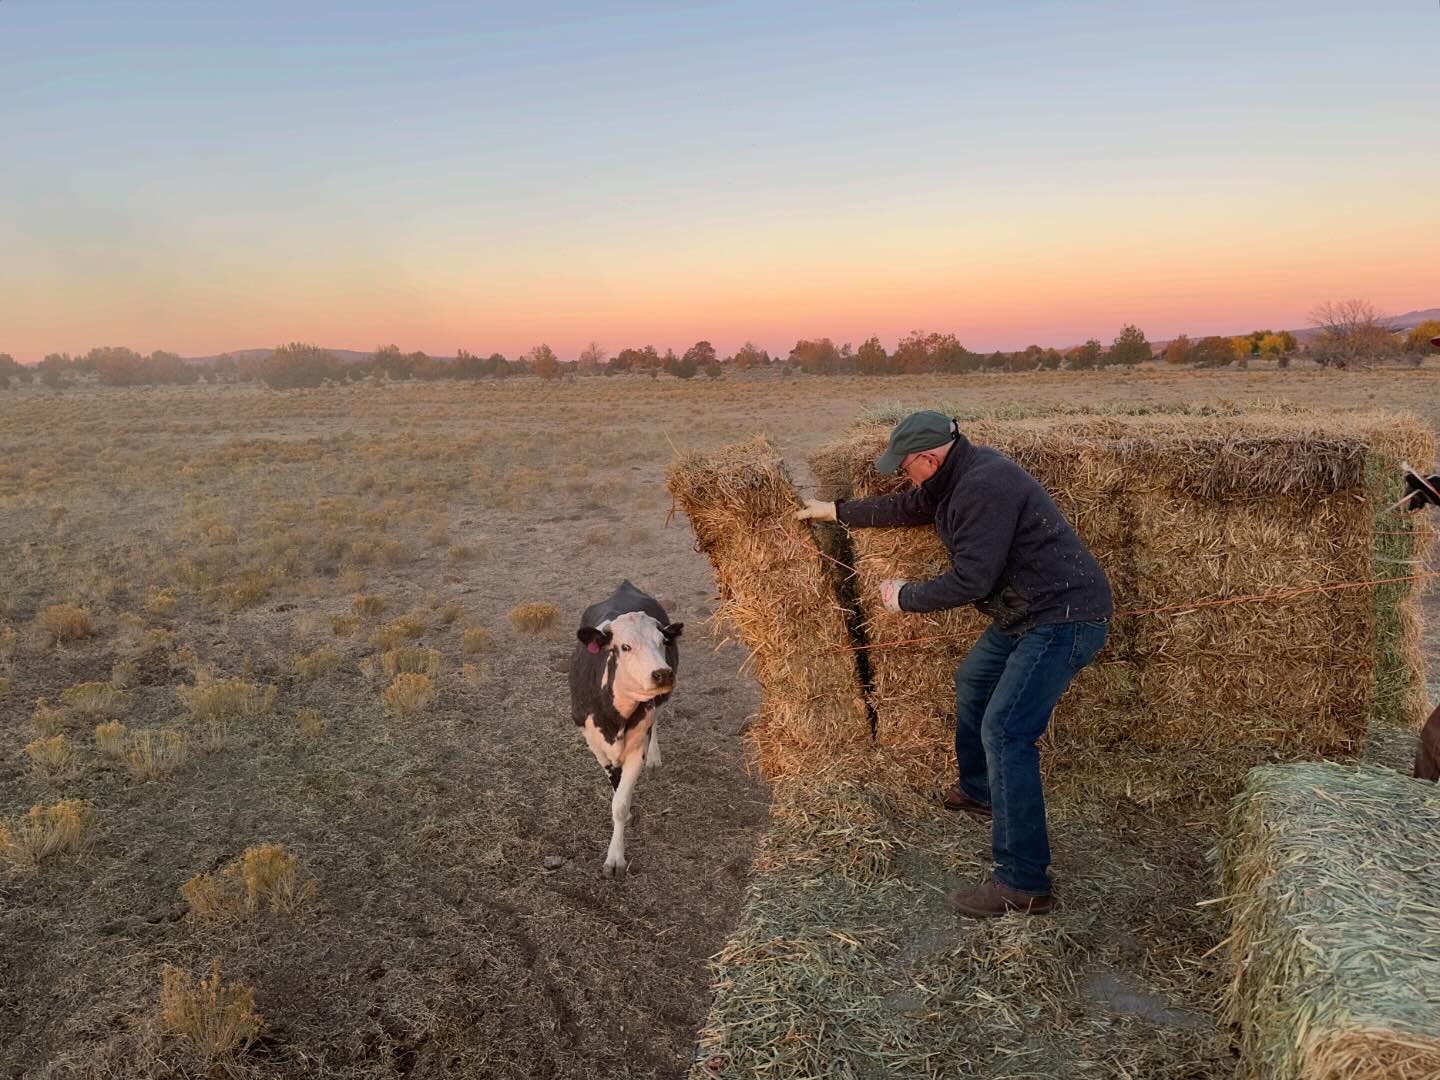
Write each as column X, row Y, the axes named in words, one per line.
column 663, row 677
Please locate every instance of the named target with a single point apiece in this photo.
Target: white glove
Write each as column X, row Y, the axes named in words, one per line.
column 890, row 593
column 816, row 510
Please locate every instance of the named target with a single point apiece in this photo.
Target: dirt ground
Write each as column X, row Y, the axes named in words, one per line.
column 460, row 926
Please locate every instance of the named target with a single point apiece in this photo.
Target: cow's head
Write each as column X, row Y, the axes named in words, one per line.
column 641, row 659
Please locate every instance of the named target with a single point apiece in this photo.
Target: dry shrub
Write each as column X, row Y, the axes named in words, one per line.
column 225, row 699
column 50, row 758
column 317, row 664
column 392, row 633
column 61, row 624
column 264, row 878
column 9, row 639
column 368, row 607
column 160, row 603
column 534, row 617
column 47, row 719
column 4, row 684
column 46, row 831
column 461, row 553
column 110, row 740
column 475, row 675
column 92, row 699
column 411, row 660
column 124, row 674
column 409, row 694
column 438, row 535
column 156, row 753
column 344, row 625
column 221, row 534
column 217, row 1020
column 477, row 640
column 450, row 612
column 311, row 724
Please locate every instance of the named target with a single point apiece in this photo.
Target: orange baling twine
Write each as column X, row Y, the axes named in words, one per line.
column 1193, row 606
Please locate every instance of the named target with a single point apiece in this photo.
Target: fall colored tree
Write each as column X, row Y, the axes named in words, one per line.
column 1129, row 348
column 544, row 362
column 1178, row 351
column 871, row 358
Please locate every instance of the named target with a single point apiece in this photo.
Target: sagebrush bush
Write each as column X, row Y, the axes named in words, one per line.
column 317, row 664
column 216, row 1019
column 265, row 878
column 156, row 753
column 311, row 724
column 50, row 758
column 46, row 831
column 411, row 660
column 92, row 699
column 110, row 740
column 160, row 602
column 533, row 617
column 392, row 633
column 226, row 699
column 409, row 694
column 124, row 675
column 47, row 719
column 476, row 640
column 61, row 624
column 368, row 607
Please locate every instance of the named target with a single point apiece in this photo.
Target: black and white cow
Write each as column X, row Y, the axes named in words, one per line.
column 622, row 671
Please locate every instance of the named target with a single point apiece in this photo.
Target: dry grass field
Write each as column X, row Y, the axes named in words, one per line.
column 282, row 676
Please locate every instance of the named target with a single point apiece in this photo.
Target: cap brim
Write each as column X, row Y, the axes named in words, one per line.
column 889, row 462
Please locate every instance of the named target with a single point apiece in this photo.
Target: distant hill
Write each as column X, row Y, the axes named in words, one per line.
column 1408, row 321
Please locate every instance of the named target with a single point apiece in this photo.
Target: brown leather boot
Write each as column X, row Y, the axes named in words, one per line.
column 957, row 800
column 991, row 900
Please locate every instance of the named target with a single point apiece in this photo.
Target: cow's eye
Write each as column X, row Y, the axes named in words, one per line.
column 624, row 648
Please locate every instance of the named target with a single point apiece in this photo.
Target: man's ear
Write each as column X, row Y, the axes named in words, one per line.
column 594, row 640
column 672, row 631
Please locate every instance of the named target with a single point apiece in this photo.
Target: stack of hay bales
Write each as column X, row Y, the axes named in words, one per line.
column 1331, row 874
column 777, row 592
column 1179, row 508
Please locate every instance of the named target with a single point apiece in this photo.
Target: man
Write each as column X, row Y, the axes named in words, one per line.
column 1421, row 491
column 1015, row 557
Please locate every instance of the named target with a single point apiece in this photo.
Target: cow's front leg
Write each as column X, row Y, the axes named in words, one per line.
column 620, row 815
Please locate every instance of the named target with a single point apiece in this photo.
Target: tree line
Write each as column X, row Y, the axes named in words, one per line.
column 1349, row 333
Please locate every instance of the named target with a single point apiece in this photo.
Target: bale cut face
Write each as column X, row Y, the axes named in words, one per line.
column 779, row 597
column 1331, row 878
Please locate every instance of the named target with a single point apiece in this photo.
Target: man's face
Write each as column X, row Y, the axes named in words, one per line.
column 918, row 468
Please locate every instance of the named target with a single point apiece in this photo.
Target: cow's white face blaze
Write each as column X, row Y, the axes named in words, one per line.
column 637, row 662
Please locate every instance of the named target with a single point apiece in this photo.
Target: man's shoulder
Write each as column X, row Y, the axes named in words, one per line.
column 989, row 469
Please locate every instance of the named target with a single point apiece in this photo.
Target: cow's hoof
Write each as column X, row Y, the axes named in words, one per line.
column 615, row 871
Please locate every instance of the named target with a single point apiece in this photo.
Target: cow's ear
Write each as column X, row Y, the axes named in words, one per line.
column 672, row 631
column 594, row 640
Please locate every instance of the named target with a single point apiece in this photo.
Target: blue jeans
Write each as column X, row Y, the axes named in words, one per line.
column 1005, row 690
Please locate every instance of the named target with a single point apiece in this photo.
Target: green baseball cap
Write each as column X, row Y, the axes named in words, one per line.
column 917, row 432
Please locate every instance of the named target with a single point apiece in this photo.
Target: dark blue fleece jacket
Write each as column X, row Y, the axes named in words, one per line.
column 1012, row 553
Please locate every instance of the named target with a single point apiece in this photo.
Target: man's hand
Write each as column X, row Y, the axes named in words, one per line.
column 816, row 510
column 890, row 593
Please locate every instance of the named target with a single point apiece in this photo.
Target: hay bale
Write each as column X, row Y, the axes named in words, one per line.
column 780, row 598
column 1331, row 875
column 1180, row 507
